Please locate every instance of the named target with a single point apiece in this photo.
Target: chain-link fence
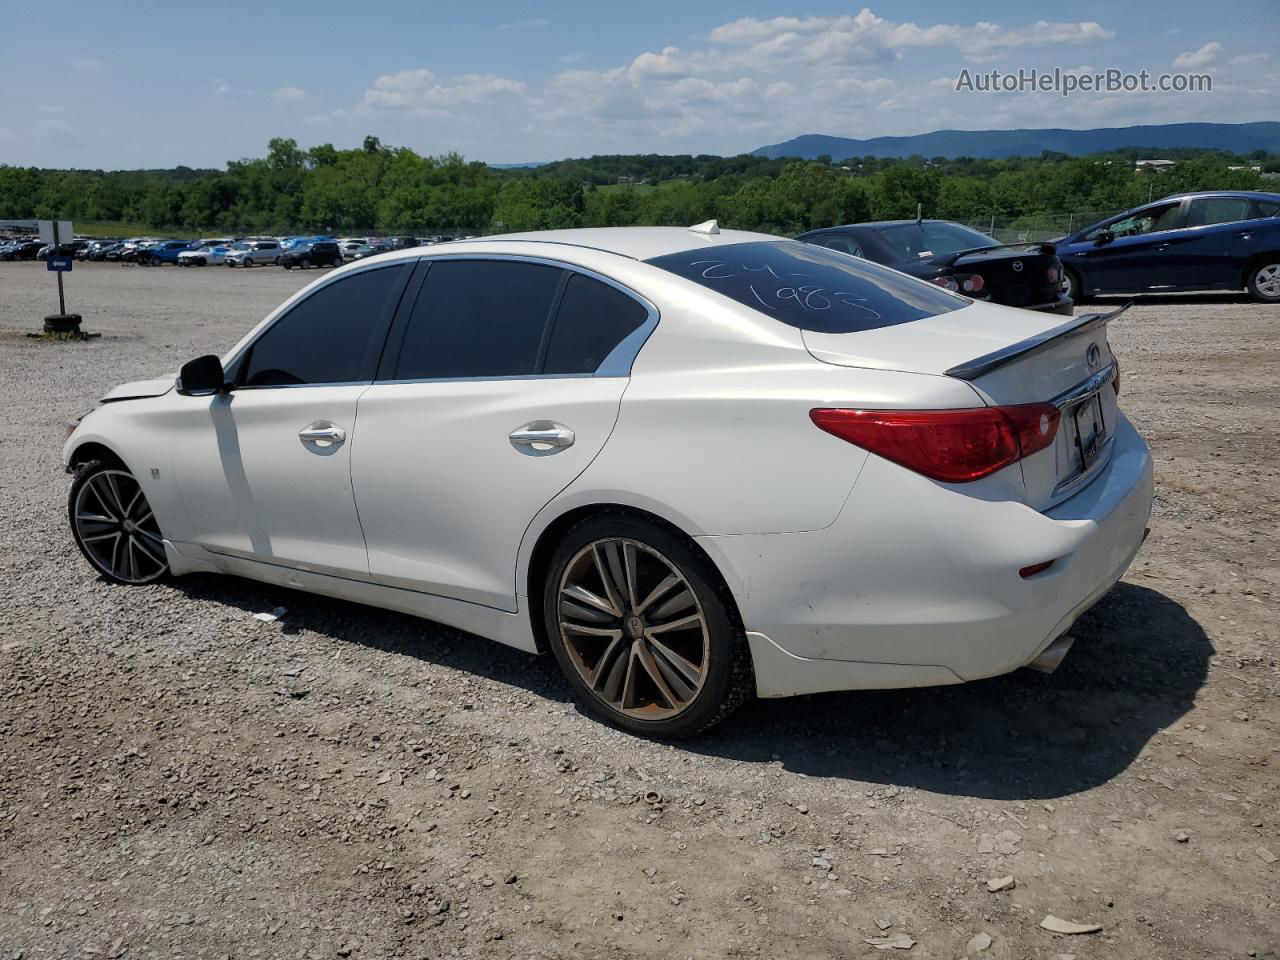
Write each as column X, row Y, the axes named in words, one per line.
column 1036, row 228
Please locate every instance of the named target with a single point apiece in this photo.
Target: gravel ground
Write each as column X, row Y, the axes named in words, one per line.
column 178, row 779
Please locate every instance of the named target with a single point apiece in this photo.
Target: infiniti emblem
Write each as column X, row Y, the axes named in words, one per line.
column 1092, row 356
column 1017, row 266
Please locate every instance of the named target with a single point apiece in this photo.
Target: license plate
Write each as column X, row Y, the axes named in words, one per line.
column 1091, row 430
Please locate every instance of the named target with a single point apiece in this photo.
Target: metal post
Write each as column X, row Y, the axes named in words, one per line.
column 57, row 242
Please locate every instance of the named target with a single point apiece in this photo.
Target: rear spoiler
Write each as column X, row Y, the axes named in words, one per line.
column 980, row 366
column 1039, row 246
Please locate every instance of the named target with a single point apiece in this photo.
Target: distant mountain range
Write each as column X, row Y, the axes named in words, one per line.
column 1233, row 137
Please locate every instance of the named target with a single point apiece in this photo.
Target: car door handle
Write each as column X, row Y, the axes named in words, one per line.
column 542, row 434
column 322, row 432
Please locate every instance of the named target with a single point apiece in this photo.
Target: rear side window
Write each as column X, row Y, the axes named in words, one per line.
column 333, row 336
column 810, row 287
column 837, row 241
column 478, row 318
column 1266, row 208
column 1206, row 211
column 593, row 319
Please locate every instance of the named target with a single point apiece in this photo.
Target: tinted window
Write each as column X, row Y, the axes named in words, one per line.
column 1205, row 211
column 593, row 319
column 328, row 337
column 478, row 318
column 809, row 287
column 1267, row 209
column 1150, row 220
column 912, row 241
column 838, row 241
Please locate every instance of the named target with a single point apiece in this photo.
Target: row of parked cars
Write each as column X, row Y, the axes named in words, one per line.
column 288, row 252
column 1210, row 240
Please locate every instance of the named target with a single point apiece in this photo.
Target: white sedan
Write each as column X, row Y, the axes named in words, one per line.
column 205, row 255
column 694, row 465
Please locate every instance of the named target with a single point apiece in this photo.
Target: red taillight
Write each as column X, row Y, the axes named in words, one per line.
column 947, row 282
column 1051, row 274
column 975, row 284
column 954, row 446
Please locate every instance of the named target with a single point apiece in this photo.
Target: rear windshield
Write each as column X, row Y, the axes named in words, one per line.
column 911, row 241
column 811, row 287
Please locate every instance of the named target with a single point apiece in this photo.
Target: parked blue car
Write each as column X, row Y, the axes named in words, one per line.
column 164, row 251
column 1220, row 240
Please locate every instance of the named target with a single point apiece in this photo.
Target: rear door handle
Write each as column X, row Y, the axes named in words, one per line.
column 322, row 433
column 542, row 436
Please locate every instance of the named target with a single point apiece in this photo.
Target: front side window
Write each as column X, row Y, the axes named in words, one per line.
column 327, row 338
column 1150, row 220
column 1206, row 211
column 592, row 319
column 478, row 318
column 810, row 287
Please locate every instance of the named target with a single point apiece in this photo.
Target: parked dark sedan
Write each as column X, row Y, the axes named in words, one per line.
column 1026, row 275
column 1225, row 240
column 318, row 253
column 26, row 250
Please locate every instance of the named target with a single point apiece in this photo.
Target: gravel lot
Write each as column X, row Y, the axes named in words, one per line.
column 178, row 779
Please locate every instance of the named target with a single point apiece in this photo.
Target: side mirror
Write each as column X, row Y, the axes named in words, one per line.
column 1103, row 237
column 202, row 377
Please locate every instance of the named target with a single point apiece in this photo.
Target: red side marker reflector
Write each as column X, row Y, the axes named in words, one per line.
column 1035, row 568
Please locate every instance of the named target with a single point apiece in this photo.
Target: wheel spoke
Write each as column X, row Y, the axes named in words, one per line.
column 592, row 631
column 691, row 672
column 628, row 700
column 668, row 583
column 681, row 624
column 146, row 551
column 646, row 660
column 114, row 486
column 606, row 578
column 115, row 554
column 606, row 661
column 629, row 560
column 681, row 601
column 582, row 595
column 95, row 518
column 104, row 499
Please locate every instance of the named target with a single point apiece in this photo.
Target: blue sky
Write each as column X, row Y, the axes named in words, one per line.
column 116, row 85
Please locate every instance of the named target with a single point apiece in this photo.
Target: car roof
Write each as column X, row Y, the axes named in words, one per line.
column 1247, row 194
column 638, row 243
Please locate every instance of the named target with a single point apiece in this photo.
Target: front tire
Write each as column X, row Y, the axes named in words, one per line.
column 113, row 525
column 1264, row 282
column 643, row 627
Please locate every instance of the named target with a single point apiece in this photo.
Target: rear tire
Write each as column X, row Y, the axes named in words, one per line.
column 1073, row 287
column 656, row 648
column 1264, row 281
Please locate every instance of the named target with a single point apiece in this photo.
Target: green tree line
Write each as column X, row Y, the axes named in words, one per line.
column 394, row 189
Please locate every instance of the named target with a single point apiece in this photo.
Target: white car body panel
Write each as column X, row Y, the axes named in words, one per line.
column 461, row 538
column 849, row 571
column 253, row 489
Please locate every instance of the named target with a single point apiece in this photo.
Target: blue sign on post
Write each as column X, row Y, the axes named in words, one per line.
column 58, row 264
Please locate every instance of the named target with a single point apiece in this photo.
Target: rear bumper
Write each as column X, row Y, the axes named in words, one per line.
column 916, row 583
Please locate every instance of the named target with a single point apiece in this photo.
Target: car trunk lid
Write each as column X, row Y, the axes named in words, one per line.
column 1009, row 357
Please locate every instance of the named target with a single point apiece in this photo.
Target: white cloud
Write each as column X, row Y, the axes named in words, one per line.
column 420, row 89
column 85, row 63
column 289, row 95
column 1244, row 59
column 867, row 37
column 1199, row 58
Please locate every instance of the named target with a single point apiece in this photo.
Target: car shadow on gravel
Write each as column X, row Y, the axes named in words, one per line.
column 1137, row 664
column 1166, row 299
